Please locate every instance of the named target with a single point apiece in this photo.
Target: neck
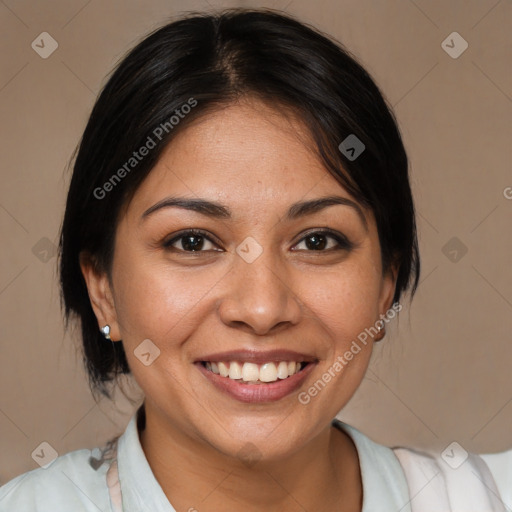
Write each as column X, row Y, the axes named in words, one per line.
column 322, row 476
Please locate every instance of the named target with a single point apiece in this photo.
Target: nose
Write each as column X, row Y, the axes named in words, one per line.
column 259, row 298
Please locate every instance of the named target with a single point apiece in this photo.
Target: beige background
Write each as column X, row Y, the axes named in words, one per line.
column 442, row 375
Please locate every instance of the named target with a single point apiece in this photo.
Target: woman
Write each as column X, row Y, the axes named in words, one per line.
column 239, row 231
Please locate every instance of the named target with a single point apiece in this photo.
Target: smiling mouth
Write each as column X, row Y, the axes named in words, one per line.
column 252, row 373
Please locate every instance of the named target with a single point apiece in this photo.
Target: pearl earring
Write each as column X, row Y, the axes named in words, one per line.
column 105, row 330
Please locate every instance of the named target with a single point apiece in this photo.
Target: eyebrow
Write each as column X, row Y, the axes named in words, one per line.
column 219, row 211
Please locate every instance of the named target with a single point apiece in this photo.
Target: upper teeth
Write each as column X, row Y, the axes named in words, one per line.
column 251, row 372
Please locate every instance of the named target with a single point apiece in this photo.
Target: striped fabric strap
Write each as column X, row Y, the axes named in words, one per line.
column 114, row 487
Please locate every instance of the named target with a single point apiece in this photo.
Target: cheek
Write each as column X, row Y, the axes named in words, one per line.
column 346, row 300
column 155, row 302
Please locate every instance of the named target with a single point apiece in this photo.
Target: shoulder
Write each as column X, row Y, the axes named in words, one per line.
column 452, row 479
column 75, row 481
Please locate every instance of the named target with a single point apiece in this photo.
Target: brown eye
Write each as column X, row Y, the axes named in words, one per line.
column 317, row 241
column 190, row 241
column 324, row 241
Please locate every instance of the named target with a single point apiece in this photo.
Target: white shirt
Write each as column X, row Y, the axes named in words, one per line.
column 71, row 484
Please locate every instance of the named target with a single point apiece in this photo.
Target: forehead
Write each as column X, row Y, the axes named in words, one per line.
column 248, row 155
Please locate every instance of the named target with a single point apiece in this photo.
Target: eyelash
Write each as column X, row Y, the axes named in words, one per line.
column 343, row 242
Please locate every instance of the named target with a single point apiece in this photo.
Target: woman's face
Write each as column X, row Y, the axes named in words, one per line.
column 265, row 288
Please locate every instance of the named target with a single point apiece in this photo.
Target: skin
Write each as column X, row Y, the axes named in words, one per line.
column 256, row 162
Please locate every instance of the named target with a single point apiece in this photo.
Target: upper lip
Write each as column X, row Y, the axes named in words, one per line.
column 258, row 356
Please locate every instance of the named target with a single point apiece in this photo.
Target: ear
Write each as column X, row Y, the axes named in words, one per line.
column 100, row 295
column 388, row 287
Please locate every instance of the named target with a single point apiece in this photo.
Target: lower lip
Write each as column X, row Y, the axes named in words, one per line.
column 257, row 393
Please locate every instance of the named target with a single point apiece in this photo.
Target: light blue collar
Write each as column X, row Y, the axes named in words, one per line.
column 384, row 483
column 139, row 487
